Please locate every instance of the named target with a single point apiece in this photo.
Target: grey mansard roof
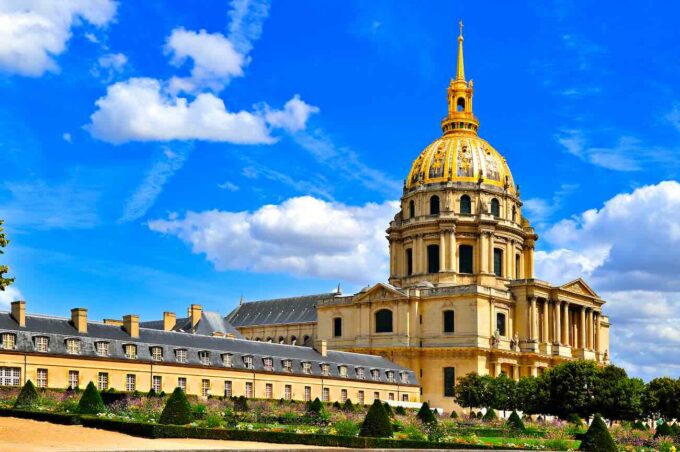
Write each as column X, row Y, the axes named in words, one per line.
column 59, row 329
column 211, row 322
column 279, row 311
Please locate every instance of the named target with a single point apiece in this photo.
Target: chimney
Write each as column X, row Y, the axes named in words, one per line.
column 321, row 346
column 19, row 312
column 131, row 325
column 195, row 311
column 169, row 321
column 79, row 319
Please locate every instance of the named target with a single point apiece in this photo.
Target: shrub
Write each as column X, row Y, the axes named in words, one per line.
column 490, row 415
column 240, row 403
column 639, row 425
column 454, row 414
column 414, row 433
column 151, row 393
column 425, row 414
column 663, row 430
column 315, row 407
column 388, row 409
column 346, row 427
column 480, row 415
column 514, row 421
column 597, row 438
column 27, row 398
column 400, row 411
column 212, row 420
column 348, row 406
column 675, row 428
column 177, row 410
column 337, row 405
column 198, row 411
column 91, row 402
column 574, row 420
column 376, row 423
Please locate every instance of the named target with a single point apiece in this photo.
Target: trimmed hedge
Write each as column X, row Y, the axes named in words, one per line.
column 515, row 422
column 27, row 397
column 55, row 418
column 425, row 414
column 597, row 438
column 177, row 410
column 91, row 401
column 377, row 422
column 663, row 430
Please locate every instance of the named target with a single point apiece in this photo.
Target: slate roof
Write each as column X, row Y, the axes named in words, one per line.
column 57, row 330
column 211, row 322
column 279, row 311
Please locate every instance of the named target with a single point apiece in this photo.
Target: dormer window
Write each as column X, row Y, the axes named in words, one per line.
column 228, row 360
column 204, row 357
column 248, row 362
column 390, row 376
column 130, row 351
column 404, row 377
column 181, row 355
column 157, row 353
column 342, row 370
column 306, row 368
column 101, row 348
column 325, row 370
column 375, row 374
column 41, row 343
column 268, row 363
column 361, row 373
column 287, row 365
column 73, row 346
column 9, row 341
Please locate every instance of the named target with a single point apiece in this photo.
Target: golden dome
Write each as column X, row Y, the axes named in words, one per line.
column 460, row 158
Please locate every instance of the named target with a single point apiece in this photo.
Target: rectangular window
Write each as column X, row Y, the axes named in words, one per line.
column 248, row 362
column 103, row 381
column 205, row 387
column 375, row 374
column 337, row 327
column 497, row 262
column 10, row 376
column 306, row 368
column 517, row 264
column 404, row 397
column 73, row 379
column 157, row 383
column 268, row 364
column 287, row 365
column 181, row 355
column 325, row 370
column 326, row 395
column 361, row 373
column 343, row 395
column 343, row 371
column 130, row 351
column 157, row 353
column 268, row 391
column 41, row 343
column 449, row 321
column 409, row 262
column 131, row 382
column 465, row 259
column 42, row 378
column 376, row 395
column 182, row 383
column 360, row 397
column 432, row 258
column 500, row 323
column 390, row 396
column 227, row 360
column 449, row 381
column 390, row 376
column 73, row 346
column 288, row 392
column 8, row 341
column 204, row 357
column 102, row 348
column 404, row 378
column 227, row 389
column 308, row 393
column 249, row 389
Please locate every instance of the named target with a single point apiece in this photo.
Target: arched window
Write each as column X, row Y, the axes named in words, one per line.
column 460, row 105
column 498, row 262
column 258, row 339
column 293, row 340
column 432, row 258
column 514, row 214
column 269, row 339
column 305, row 340
column 337, row 327
column 434, row 205
column 495, row 208
column 282, row 340
column 449, row 318
column 465, row 259
column 383, row 321
column 411, row 209
column 465, row 205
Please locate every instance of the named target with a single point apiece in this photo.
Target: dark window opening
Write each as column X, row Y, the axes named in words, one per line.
column 465, row 205
column 432, row 258
column 514, row 214
column 495, row 208
column 383, row 321
column 500, row 324
column 337, row 327
column 460, row 105
column 409, row 262
column 411, row 209
column 448, row 321
column 517, row 264
column 449, row 381
column 434, row 205
column 498, row 262
column 465, row 259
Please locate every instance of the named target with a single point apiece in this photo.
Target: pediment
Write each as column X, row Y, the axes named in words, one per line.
column 381, row 291
column 580, row 287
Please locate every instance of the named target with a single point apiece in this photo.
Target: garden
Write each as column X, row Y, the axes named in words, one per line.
column 495, row 426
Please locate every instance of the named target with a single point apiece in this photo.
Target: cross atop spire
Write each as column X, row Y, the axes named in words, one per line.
column 460, row 67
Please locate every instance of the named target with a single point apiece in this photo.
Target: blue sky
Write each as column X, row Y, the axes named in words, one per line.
column 156, row 154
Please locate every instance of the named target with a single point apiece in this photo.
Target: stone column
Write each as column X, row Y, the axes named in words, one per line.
column 546, row 322
column 509, row 261
column 442, row 251
column 491, row 246
column 533, row 330
column 589, row 329
column 582, row 328
column 597, row 332
column 566, row 327
column 453, row 264
column 496, row 369
column 558, row 322
column 421, row 255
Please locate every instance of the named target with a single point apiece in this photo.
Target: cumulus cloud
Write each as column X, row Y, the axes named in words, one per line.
column 293, row 117
column 9, row 295
column 109, row 66
column 302, row 236
column 139, row 109
column 34, row 32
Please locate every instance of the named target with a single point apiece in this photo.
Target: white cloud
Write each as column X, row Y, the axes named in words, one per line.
column 230, row 186
column 214, row 58
column 246, row 19
column 293, row 117
column 302, row 236
column 34, row 32
column 109, row 66
column 152, row 185
column 67, row 137
column 140, row 110
column 10, row 294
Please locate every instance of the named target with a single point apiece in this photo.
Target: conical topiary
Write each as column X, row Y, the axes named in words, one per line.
column 151, row 393
column 480, row 415
column 663, row 430
column 348, row 406
column 240, row 403
column 454, row 414
column 639, row 425
column 675, row 428
column 490, row 415
column 400, row 411
column 515, row 422
column 376, row 423
column 315, row 406
column 91, row 402
column 597, row 438
column 425, row 414
column 27, row 398
column 177, row 410
column 337, row 405
column 388, row 409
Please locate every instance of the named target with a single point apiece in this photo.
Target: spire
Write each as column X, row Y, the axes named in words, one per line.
column 460, row 68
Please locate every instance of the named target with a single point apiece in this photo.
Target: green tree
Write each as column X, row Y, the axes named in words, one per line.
column 504, row 392
column 618, row 397
column 376, row 423
column 28, row 397
column 425, row 414
column 91, row 402
column 315, row 407
column 474, row 391
column 532, row 394
column 515, row 422
column 661, row 398
column 597, row 438
column 571, row 388
column 177, row 410
column 4, row 282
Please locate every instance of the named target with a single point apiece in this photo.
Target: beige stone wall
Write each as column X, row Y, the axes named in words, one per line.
column 276, row 333
column 58, row 370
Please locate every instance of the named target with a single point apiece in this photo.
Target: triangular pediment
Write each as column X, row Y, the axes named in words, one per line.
column 380, row 291
column 580, row 287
